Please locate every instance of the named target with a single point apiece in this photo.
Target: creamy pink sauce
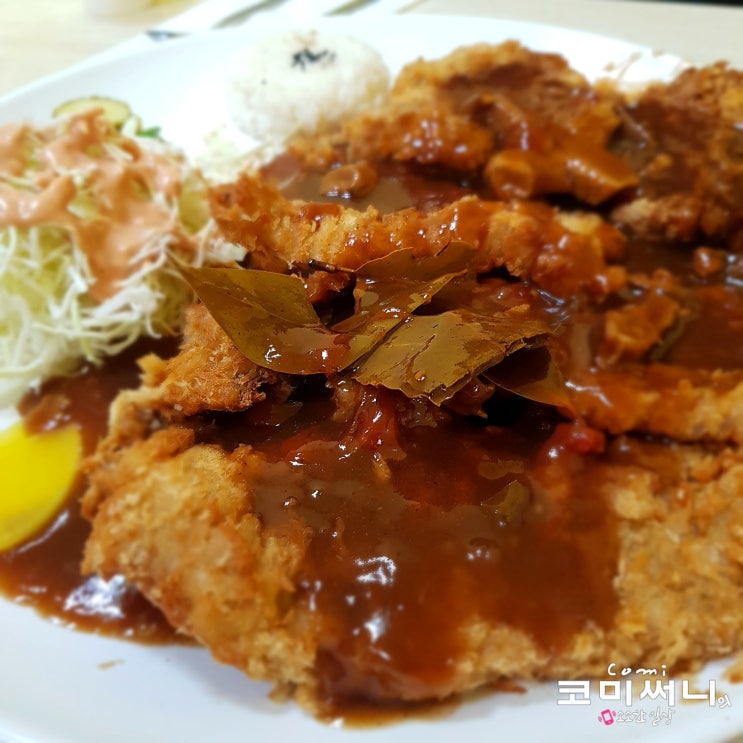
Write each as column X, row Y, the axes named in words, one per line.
column 11, row 149
column 121, row 188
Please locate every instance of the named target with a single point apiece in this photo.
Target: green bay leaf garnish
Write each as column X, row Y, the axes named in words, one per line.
column 435, row 356
column 389, row 289
column 532, row 373
column 510, row 503
column 383, row 343
column 270, row 319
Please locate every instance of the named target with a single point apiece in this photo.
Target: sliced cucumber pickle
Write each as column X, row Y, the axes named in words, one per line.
column 116, row 112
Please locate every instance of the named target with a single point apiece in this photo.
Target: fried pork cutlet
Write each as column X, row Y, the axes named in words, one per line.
column 685, row 143
column 564, row 255
column 348, row 543
column 315, row 555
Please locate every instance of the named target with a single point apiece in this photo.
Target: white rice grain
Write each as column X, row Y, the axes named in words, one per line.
column 301, row 82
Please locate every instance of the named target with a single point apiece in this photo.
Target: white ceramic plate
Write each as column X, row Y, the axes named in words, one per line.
column 60, row 686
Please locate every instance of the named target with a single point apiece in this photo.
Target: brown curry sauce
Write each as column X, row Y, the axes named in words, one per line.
column 405, row 566
column 409, row 566
column 407, row 555
column 44, row 572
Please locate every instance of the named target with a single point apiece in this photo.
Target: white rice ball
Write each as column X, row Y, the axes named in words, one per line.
column 303, row 81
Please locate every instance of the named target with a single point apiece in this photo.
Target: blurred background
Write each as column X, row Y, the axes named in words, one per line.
column 40, row 37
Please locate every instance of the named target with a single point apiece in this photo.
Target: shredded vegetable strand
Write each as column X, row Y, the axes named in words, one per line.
column 48, row 321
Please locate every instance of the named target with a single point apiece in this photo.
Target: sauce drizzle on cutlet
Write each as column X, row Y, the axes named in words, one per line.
column 420, row 522
column 462, row 523
column 44, row 572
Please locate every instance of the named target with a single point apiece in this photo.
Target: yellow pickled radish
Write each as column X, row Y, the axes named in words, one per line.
column 36, row 473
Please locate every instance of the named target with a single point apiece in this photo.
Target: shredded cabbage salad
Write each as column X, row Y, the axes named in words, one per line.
column 49, row 323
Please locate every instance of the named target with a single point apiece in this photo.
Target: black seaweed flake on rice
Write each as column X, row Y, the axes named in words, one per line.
column 306, row 57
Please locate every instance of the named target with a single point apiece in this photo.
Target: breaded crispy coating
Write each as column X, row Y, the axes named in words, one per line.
column 208, row 372
column 349, row 544
column 686, row 146
column 564, row 256
column 663, row 400
column 181, row 522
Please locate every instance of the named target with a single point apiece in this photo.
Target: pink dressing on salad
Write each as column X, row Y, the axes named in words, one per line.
column 11, row 149
column 127, row 194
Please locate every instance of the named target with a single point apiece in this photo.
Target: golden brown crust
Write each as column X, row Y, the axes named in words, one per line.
column 691, row 164
column 177, row 521
column 424, row 123
column 179, row 518
column 663, row 400
column 563, row 255
column 209, row 373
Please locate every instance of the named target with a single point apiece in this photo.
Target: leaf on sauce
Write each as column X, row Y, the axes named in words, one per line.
column 402, row 266
column 434, row 356
column 270, row 319
column 532, row 373
column 509, row 503
column 675, row 332
column 389, row 289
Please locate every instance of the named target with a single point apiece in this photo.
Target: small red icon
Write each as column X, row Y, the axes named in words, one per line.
column 607, row 716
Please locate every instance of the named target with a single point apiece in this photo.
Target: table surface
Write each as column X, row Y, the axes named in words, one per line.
column 68, row 33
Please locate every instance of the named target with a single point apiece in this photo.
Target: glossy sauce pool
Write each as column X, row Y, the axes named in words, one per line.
column 390, row 560
column 400, row 552
column 44, row 572
column 416, row 548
